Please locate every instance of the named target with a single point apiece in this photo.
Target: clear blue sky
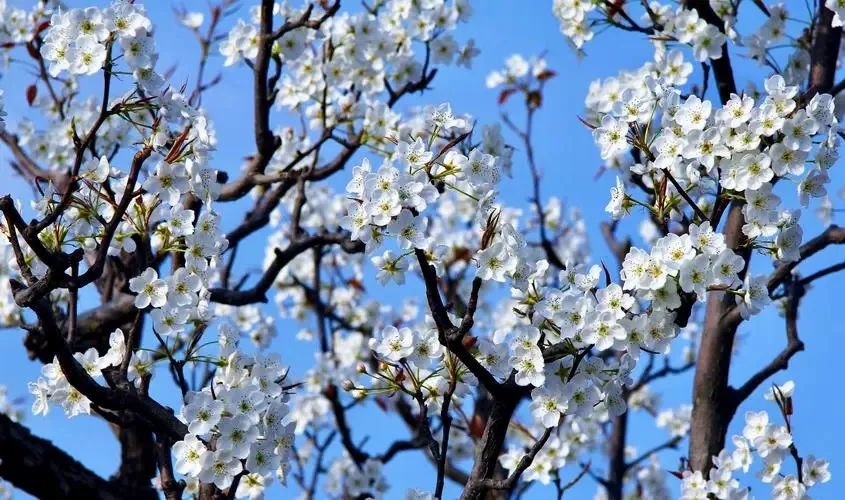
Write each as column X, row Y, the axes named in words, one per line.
column 566, row 153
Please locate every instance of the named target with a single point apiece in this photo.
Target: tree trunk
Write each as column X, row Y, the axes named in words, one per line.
column 137, row 460
column 713, row 407
column 490, row 447
column 37, row 467
column 616, row 464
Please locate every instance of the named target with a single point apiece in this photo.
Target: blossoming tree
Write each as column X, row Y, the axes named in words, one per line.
column 519, row 361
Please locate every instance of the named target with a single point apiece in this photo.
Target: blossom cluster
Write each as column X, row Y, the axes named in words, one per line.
column 680, row 25
column 566, row 309
column 571, row 339
column 391, row 200
column 676, row 421
column 17, row 23
column 79, row 40
column 346, row 478
column 772, row 444
column 518, row 72
column 177, row 173
column 740, row 149
column 372, row 50
column 183, row 296
column 239, row 423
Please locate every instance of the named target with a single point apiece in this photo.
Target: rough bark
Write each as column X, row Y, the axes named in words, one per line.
column 712, row 406
column 137, row 460
column 825, row 52
column 616, row 469
column 714, row 401
column 490, row 447
column 709, row 424
column 39, row 468
column 93, row 329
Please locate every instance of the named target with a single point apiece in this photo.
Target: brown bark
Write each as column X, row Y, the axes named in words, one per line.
column 616, row 470
column 714, row 401
column 137, row 460
column 722, row 69
column 490, row 447
column 39, row 468
column 825, row 52
column 712, row 406
column 93, row 329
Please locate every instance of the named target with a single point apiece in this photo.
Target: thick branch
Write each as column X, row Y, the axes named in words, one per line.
column 159, row 417
column 711, row 412
column 39, row 468
column 833, row 235
column 824, row 53
column 722, row 70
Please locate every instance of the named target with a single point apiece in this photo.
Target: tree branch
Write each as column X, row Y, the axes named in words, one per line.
column 672, row 443
column 258, row 293
column 824, row 53
column 794, row 345
column 450, row 336
column 159, row 417
column 39, row 468
column 524, row 463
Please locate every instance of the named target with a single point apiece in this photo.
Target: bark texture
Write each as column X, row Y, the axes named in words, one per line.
column 39, row 468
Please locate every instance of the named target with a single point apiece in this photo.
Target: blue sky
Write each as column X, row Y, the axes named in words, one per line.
column 565, row 152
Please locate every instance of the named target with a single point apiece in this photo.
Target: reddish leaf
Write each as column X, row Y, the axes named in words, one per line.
column 463, row 253
column 534, row 99
column 176, row 149
column 661, row 188
column 31, row 94
column 615, row 7
column 41, row 27
column 331, row 391
column 490, row 230
column 382, row 403
column 546, row 75
column 33, row 53
column 675, row 473
column 356, row 284
column 469, row 341
column 476, row 426
column 503, row 96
